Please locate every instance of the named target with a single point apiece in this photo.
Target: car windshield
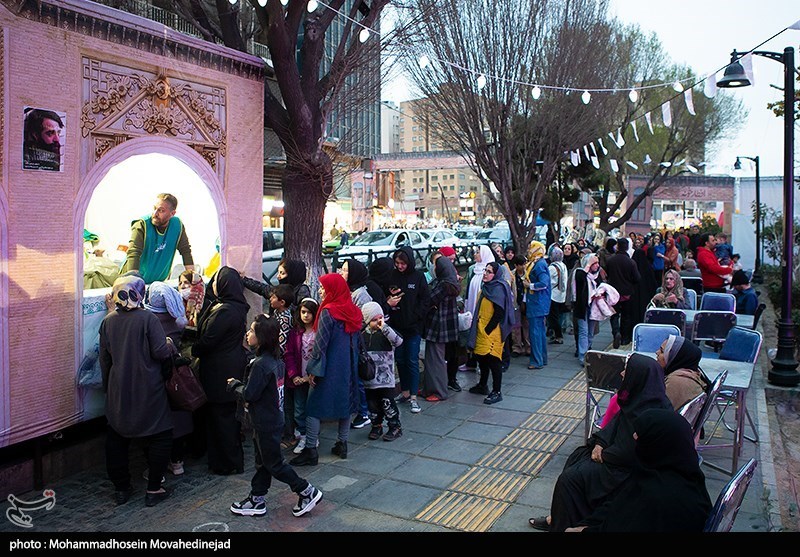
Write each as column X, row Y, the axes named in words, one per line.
column 465, row 234
column 374, row 238
column 484, row 234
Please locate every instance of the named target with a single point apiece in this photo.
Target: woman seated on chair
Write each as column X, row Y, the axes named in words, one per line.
column 683, row 378
column 594, row 472
column 668, row 492
column 672, row 295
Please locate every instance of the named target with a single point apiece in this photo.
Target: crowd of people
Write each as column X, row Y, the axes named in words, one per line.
column 295, row 366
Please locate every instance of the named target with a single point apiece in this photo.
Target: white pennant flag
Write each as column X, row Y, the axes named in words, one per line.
column 602, row 147
column 666, row 114
column 747, row 63
column 710, row 88
column 795, row 25
column 594, row 151
column 635, row 132
column 687, row 96
column 620, row 140
column 647, row 159
column 666, row 164
column 632, row 165
column 690, row 168
column 614, row 165
column 574, row 158
column 586, row 152
column 595, row 162
column 680, row 162
column 649, row 122
column 614, row 139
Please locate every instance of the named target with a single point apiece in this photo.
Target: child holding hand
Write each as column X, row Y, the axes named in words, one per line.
column 298, row 353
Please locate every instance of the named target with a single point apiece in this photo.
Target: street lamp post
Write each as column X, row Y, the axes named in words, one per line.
column 784, row 365
column 738, row 166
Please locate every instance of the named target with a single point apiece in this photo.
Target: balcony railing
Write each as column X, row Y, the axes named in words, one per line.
column 174, row 21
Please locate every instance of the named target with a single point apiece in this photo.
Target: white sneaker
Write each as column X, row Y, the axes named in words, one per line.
column 415, row 409
column 306, row 503
column 300, row 445
column 176, row 467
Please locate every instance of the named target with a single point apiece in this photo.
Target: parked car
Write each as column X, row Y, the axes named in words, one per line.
column 271, row 252
column 439, row 237
column 379, row 243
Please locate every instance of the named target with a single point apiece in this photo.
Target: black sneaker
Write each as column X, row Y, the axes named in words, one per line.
column 249, row 507
column 617, row 340
column 479, row 390
column 375, row 432
column 454, row 386
column 493, row 397
column 306, row 503
column 359, row 422
column 393, row 434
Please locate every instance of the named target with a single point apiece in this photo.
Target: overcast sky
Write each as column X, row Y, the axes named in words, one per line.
column 702, row 34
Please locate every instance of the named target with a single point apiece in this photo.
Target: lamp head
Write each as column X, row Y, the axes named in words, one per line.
column 734, row 75
column 738, row 164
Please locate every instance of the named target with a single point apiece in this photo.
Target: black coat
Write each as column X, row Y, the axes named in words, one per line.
column 622, row 273
column 408, row 317
column 221, row 329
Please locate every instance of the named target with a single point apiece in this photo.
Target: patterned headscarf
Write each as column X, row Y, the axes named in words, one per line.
column 535, row 251
column 128, row 292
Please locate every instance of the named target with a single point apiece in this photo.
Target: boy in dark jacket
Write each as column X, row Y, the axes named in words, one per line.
column 409, row 301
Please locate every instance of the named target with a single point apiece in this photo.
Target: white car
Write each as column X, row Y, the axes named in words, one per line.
column 271, row 253
column 439, row 237
column 380, row 243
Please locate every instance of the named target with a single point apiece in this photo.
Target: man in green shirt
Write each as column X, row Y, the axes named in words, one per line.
column 154, row 240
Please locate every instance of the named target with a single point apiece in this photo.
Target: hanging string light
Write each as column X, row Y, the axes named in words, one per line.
column 536, row 93
column 586, row 97
column 312, row 6
column 363, row 35
column 678, row 86
column 633, row 95
column 424, row 61
column 262, row 3
column 481, row 82
column 284, row 2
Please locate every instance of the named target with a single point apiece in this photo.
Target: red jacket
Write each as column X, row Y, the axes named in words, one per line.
column 710, row 268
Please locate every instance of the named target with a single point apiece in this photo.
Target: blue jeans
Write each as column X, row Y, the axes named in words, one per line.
column 538, row 334
column 585, row 335
column 300, row 400
column 406, row 356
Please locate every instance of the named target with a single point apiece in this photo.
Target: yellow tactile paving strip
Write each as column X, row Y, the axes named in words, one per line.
column 474, row 501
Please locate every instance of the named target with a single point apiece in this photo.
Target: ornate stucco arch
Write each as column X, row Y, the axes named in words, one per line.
column 139, row 146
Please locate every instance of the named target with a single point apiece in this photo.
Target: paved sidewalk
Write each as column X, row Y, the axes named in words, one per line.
column 461, row 466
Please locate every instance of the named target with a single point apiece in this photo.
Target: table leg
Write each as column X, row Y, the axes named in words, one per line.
column 741, row 410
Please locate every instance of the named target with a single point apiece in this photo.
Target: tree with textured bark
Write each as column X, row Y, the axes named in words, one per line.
column 666, row 152
column 311, row 87
column 476, row 64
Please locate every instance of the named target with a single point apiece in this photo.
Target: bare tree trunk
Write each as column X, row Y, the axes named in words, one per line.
column 305, row 197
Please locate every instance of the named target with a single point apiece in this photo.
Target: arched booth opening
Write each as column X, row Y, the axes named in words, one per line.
column 122, row 188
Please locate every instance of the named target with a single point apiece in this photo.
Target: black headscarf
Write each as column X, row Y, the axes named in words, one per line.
column 446, row 271
column 229, row 290
column 295, row 272
column 357, row 274
column 380, row 271
column 665, row 440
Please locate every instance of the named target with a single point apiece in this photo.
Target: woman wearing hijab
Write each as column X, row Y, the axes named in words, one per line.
column 333, row 367
column 672, row 295
column 167, row 305
column 667, row 492
column 355, row 273
column 291, row 272
column 572, row 256
column 221, row 354
column 132, row 347
column 483, row 255
column 644, row 290
column 683, row 377
column 441, row 328
column 584, row 286
column 556, row 319
column 490, row 327
column 595, row 471
column 672, row 257
column 537, row 303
